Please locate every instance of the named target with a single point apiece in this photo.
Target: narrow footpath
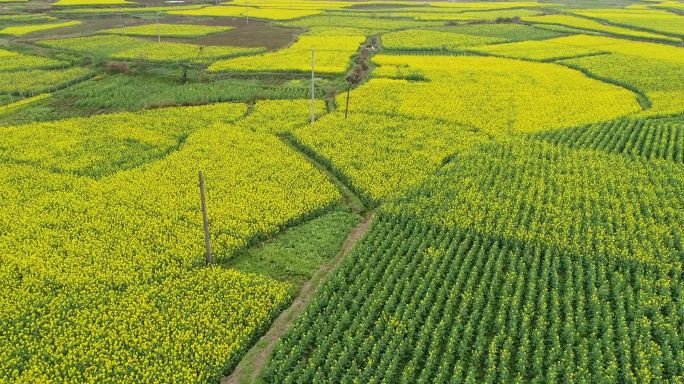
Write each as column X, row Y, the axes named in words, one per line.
column 250, row 367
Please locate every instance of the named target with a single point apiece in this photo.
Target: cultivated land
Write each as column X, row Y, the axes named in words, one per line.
column 463, row 192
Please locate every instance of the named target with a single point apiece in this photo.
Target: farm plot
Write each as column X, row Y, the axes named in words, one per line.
column 371, row 24
column 91, row 2
column 650, row 138
column 13, row 61
column 168, row 30
column 495, row 95
column 22, row 18
column 506, row 32
column 418, row 303
column 417, row 39
column 127, row 10
column 646, row 67
column 39, row 81
column 102, row 145
column 649, row 20
column 517, row 262
column 541, row 50
column 382, row 155
column 626, row 215
column 257, row 13
column 95, row 272
column 333, row 52
column 131, row 48
column 130, row 92
column 468, row 16
column 21, row 30
column 593, row 25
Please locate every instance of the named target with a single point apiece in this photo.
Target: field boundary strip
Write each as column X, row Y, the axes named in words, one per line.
column 251, row 365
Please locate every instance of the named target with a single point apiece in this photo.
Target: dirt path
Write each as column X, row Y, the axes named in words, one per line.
column 250, row 367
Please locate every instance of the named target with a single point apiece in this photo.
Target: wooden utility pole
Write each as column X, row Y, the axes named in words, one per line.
column 346, row 109
column 313, row 99
column 121, row 18
column 207, row 237
column 158, row 32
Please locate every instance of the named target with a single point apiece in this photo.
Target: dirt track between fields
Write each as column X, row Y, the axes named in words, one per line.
column 252, row 364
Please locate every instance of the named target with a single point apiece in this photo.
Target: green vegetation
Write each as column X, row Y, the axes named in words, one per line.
column 509, row 32
column 168, row 30
column 422, row 303
column 458, row 192
column 37, row 81
column 136, row 255
column 131, row 48
column 296, row 253
column 650, row 138
column 21, row 30
column 132, row 92
column 416, row 39
column 15, row 61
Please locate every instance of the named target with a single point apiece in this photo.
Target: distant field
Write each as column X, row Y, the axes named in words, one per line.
column 168, row 30
column 20, row 30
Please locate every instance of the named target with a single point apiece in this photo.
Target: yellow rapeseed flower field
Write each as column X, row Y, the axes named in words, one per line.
column 13, row 61
column 493, row 94
column 106, row 266
column 332, row 55
column 258, row 13
column 20, row 30
column 168, row 30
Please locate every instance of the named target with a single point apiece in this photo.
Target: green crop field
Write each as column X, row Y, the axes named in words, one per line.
column 337, row 191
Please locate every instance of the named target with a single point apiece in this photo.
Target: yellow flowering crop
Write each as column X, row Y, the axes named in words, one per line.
column 280, row 116
column 12, row 61
column 132, row 48
column 654, row 20
column 365, row 22
column 118, row 10
column 591, row 25
column 39, row 80
column 26, row 29
column 418, row 39
column 467, row 16
column 169, row 30
column 165, row 51
column 570, row 199
column 92, row 2
column 294, row 4
column 654, row 51
column 22, row 102
column 477, row 5
column 493, row 94
column 104, row 275
column 333, row 53
column 650, row 76
column 259, row 13
column 669, row 4
column 102, row 145
column 382, row 155
column 551, row 49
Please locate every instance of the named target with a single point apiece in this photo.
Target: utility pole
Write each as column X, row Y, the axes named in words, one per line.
column 121, row 18
column 247, row 10
column 313, row 99
column 346, row 110
column 207, row 237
